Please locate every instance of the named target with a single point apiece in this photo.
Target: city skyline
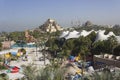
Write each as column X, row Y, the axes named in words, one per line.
column 27, row 14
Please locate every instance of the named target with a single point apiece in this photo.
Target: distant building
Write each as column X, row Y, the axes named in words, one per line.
column 7, row 44
column 88, row 23
column 51, row 26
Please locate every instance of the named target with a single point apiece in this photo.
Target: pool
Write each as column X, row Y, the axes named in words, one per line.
column 29, row 45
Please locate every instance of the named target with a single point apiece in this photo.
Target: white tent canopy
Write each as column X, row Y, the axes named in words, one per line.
column 73, row 34
column 65, row 33
column 100, row 35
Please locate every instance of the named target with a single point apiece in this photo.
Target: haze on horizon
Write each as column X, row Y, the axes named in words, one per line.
column 27, row 14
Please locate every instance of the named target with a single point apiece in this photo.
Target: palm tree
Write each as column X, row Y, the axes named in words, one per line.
column 50, row 72
column 112, row 43
column 30, row 71
column 116, row 51
column 0, row 46
column 105, row 74
column 98, row 47
column 83, row 46
column 4, row 76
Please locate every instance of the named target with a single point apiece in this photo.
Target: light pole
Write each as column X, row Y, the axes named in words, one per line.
column 44, row 52
column 36, row 48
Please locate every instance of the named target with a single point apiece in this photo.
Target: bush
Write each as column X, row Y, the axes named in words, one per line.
column 105, row 74
column 4, row 76
column 50, row 72
column 2, row 67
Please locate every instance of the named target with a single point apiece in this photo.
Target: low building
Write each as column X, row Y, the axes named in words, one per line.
column 7, row 44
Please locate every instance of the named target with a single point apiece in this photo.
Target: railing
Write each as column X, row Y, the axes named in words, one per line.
column 102, row 62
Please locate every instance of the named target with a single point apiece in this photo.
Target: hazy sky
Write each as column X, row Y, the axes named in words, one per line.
column 25, row 14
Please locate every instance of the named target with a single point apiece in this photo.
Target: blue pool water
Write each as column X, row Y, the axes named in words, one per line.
column 14, row 53
column 24, row 45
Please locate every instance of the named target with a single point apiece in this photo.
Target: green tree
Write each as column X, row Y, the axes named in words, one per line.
column 4, row 76
column 17, row 36
column 116, row 50
column 110, row 44
column 98, row 47
column 68, row 47
column 85, row 45
column 69, row 44
column 0, row 46
column 53, row 46
column 105, row 74
column 29, row 71
column 92, row 36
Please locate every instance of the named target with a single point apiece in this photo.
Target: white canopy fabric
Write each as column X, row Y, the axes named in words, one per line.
column 85, row 33
column 64, row 34
column 73, row 34
column 100, row 35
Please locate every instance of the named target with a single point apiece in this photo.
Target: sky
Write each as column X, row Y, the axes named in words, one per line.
column 17, row 15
